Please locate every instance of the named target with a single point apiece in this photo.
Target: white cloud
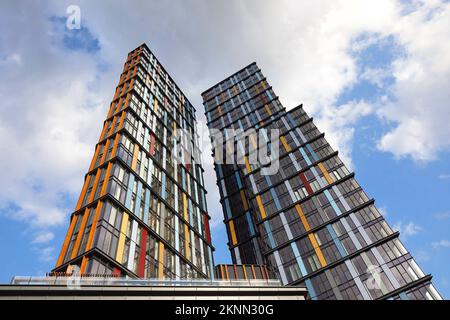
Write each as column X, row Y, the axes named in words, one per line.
column 441, row 244
column 443, row 216
column 377, row 76
column 407, row 230
column 444, row 176
column 46, row 254
column 422, row 85
column 43, row 237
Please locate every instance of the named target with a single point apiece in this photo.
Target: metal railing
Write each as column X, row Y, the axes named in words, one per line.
column 123, row 281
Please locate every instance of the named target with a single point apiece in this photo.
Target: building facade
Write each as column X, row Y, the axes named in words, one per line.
column 310, row 221
column 241, row 272
column 142, row 212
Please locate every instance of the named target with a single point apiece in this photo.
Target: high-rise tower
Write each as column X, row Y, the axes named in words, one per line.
column 309, row 221
column 141, row 213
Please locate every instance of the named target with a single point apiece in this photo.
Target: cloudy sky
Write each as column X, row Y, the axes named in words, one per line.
column 374, row 74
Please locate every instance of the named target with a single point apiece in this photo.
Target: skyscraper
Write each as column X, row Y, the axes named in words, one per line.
column 141, row 212
column 307, row 217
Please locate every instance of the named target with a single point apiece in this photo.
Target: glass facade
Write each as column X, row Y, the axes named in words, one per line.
column 310, row 222
column 142, row 213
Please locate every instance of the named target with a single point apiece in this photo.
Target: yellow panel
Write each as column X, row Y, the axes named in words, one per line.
column 244, row 200
column 186, row 242
column 161, row 261
column 260, row 206
column 268, row 109
column 135, row 157
column 185, row 207
column 247, row 165
column 123, row 231
column 285, row 144
column 317, row 249
column 302, row 217
column 325, row 173
column 253, row 141
column 233, row 233
column 263, row 84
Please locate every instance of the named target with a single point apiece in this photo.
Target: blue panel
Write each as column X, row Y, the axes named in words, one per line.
column 227, row 208
column 275, row 198
column 269, row 182
column 191, row 212
column 183, row 178
column 308, row 162
column 310, row 288
column 250, row 224
column 336, row 240
column 147, row 205
column 291, row 119
column 312, row 152
column 129, row 192
column 244, row 112
column 269, row 234
column 238, row 179
column 177, row 238
column 146, row 142
column 403, row 296
column 163, row 189
column 333, row 204
column 299, row 259
column 138, row 199
column 269, row 95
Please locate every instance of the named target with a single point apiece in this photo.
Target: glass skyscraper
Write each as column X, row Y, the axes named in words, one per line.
column 310, row 221
column 141, row 213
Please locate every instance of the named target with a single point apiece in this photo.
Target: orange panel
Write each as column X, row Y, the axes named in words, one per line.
column 135, row 157
column 113, row 121
column 245, row 272
column 302, row 217
column 97, row 149
column 80, row 234
column 105, row 151
column 94, row 226
column 253, row 271
column 116, row 143
column 83, row 193
column 105, row 181
column 317, row 249
column 66, row 241
column 94, row 186
column 244, row 200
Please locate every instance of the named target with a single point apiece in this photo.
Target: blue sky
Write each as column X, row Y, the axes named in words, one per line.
column 375, row 76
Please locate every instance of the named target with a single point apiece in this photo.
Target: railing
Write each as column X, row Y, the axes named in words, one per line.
column 94, row 280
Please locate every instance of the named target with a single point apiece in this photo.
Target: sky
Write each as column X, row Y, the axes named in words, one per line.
column 375, row 75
